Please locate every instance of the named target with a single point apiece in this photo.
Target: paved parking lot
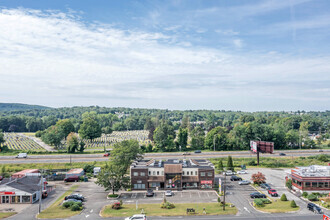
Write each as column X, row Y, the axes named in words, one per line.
column 191, row 196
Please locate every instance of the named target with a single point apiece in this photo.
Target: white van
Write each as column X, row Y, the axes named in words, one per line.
column 21, row 155
column 96, row 170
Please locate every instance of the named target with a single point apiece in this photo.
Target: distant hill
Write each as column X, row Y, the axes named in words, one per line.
column 19, row 107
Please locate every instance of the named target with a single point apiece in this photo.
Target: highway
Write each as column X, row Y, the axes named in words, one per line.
column 66, row 158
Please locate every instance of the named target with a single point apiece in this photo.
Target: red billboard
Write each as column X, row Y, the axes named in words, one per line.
column 262, row 146
column 7, row 193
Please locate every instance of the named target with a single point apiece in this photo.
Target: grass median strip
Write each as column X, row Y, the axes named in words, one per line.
column 6, row 214
column 56, row 210
column 179, row 210
column 278, row 207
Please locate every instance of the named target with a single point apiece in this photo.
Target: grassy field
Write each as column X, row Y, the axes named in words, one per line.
column 278, row 207
column 6, row 214
column 179, row 210
column 56, row 210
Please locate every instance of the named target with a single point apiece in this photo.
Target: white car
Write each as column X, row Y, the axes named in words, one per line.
column 229, row 173
column 244, row 182
column 242, row 172
column 168, row 193
column 21, row 155
column 137, row 217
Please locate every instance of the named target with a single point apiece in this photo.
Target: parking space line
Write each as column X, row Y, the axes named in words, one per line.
column 181, row 194
column 190, row 194
column 208, row 194
column 199, row 194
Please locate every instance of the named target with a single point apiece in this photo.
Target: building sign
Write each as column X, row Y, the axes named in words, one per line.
column 253, row 146
column 219, row 185
column 7, row 193
column 206, row 182
column 326, row 217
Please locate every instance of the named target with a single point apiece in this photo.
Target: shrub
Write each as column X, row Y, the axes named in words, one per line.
column 289, row 183
column 283, row 197
column 68, row 204
column 75, row 207
column 167, row 205
column 312, row 197
column 89, row 168
column 266, row 201
column 258, row 202
column 116, row 205
column 258, row 178
column 252, row 163
column 323, row 158
column 219, row 200
column 304, row 194
column 293, row 204
column 113, row 195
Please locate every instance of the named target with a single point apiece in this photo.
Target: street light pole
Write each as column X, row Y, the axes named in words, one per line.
column 214, row 142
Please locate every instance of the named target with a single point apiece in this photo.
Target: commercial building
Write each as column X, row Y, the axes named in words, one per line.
column 311, row 178
column 21, row 190
column 172, row 174
column 25, row 172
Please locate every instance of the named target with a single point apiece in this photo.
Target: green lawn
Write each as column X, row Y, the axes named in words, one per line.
column 56, row 210
column 6, row 214
column 179, row 210
column 278, row 207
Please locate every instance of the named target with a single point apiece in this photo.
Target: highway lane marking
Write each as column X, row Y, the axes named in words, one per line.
column 246, row 210
column 86, row 216
column 91, row 210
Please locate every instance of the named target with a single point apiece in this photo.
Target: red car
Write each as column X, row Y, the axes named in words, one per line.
column 106, row 155
column 272, row 192
column 72, row 179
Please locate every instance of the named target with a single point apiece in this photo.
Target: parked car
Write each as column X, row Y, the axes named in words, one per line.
column 72, row 200
column 168, row 193
column 186, row 153
column 242, row 172
column 282, row 154
column 137, row 217
column 265, row 186
column 198, row 151
column 244, row 182
column 228, row 173
column 21, row 155
column 257, row 195
column 75, row 196
column 320, row 150
column 235, row 178
column 107, row 154
column 272, row 192
column 72, row 179
column 150, row 193
column 314, row 208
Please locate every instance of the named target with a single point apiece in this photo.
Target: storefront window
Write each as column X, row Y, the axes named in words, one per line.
column 139, row 186
column 154, row 185
column 206, row 184
column 307, row 184
column 326, row 185
column 13, row 199
column 321, row 184
column 314, row 184
column 34, row 197
column 26, row 199
column 190, row 185
column 299, row 183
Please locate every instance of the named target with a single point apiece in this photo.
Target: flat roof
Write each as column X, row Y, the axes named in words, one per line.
column 26, row 171
column 76, row 170
column 185, row 163
column 312, row 171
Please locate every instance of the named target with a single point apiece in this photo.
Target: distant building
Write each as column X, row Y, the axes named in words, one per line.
column 311, row 178
column 23, row 173
column 75, row 172
column 21, row 190
column 172, row 174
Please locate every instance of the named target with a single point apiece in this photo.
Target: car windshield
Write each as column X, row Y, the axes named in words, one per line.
column 168, row 191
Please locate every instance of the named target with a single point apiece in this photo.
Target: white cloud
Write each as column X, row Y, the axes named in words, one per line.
column 53, row 58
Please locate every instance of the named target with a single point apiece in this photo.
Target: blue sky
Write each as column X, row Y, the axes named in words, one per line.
column 232, row 55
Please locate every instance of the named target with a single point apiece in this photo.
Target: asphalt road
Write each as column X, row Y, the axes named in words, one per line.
column 65, row 158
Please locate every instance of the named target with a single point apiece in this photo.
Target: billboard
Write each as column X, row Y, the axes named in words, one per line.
column 253, row 146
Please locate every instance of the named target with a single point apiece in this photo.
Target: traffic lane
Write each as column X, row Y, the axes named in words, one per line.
column 191, row 196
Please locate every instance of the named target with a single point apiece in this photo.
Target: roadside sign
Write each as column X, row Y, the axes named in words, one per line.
column 219, row 185
column 326, row 217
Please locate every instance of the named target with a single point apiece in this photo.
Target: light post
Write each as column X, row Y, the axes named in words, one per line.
column 214, row 142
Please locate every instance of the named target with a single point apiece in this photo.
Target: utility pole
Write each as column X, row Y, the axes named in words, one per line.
column 224, row 195
column 40, row 194
column 214, row 142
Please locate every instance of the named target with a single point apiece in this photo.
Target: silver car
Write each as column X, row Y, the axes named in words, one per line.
column 244, row 182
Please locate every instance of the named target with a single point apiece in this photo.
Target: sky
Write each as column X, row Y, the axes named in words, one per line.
column 251, row 55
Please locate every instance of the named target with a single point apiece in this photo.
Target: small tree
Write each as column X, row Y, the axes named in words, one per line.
column 304, row 194
column 293, row 204
column 230, row 165
column 72, row 142
column 289, row 183
column 220, row 165
column 258, row 178
column 283, row 197
column 82, row 146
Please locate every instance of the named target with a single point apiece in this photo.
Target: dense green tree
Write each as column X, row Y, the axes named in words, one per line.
column 164, row 137
column 220, row 165
column 2, row 140
column 217, row 139
column 125, row 152
column 53, row 136
column 90, row 129
column 66, row 126
column 185, row 122
column 182, row 139
column 197, row 138
column 72, row 142
column 230, row 165
column 150, row 126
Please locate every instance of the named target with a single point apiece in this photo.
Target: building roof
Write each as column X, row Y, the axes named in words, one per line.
column 28, row 184
column 24, row 172
column 75, row 171
column 173, row 168
column 312, row 171
column 185, row 163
